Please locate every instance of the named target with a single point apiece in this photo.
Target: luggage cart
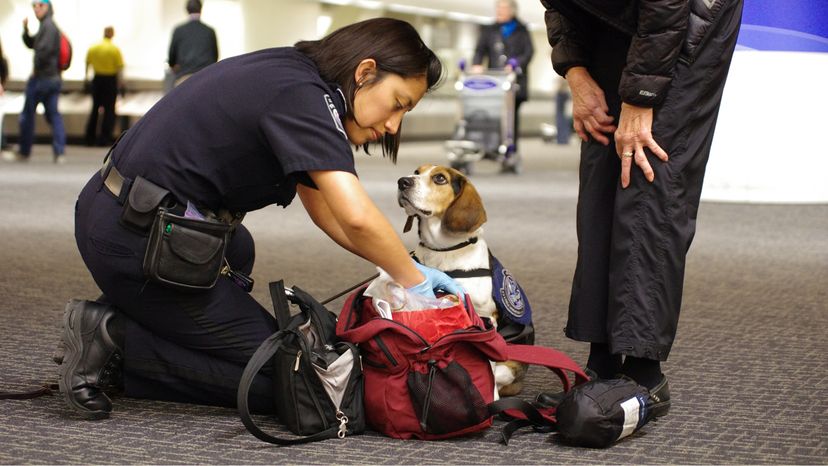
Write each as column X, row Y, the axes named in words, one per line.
column 485, row 127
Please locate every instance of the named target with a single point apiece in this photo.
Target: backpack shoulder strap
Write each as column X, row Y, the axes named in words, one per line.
column 261, row 357
column 522, row 414
column 552, row 359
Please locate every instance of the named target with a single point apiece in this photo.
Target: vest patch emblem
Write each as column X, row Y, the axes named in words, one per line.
column 335, row 115
column 508, row 296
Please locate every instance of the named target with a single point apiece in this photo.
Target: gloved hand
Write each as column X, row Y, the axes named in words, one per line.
column 435, row 280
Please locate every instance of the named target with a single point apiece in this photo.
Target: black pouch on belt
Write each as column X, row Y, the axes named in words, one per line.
column 141, row 204
column 185, row 253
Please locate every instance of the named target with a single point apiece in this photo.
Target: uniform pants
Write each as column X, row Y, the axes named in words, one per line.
column 179, row 346
column 633, row 242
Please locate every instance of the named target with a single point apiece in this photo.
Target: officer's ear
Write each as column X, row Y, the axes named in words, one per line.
column 365, row 72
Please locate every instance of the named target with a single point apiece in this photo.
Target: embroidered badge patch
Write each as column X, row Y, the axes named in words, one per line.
column 508, row 295
column 335, row 115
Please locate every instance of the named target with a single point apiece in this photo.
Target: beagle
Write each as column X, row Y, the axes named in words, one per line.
column 450, row 215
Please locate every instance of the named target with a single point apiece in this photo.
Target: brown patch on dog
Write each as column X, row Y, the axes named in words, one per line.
column 465, row 213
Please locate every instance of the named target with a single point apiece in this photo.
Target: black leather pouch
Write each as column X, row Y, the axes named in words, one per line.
column 141, row 204
column 185, row 253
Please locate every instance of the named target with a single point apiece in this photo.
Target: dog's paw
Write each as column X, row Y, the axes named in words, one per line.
column 509, row 377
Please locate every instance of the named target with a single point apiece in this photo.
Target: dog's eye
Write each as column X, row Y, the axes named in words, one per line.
column 440, row 178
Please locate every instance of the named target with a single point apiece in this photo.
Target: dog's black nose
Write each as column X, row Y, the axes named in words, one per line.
column 405, row 183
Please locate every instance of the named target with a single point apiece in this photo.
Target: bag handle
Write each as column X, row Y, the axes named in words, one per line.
column 262, row 355
column 280, row 304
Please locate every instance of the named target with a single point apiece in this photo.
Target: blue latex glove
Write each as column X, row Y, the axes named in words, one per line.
column 435, row 280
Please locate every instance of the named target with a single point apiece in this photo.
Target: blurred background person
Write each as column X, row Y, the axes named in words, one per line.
column 4, row 75
column 563, row 117
column 43, row 86
column 107, row 65
column 193, row 45
column 506, row 39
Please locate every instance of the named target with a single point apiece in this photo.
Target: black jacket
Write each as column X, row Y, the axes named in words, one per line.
column 193, row 46
column 46, row 46
column 658, row 29
column 496, row 50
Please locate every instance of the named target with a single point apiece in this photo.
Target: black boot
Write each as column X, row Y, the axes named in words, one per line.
column 91, row 359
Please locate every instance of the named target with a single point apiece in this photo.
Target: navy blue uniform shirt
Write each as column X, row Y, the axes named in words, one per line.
column 240, row 134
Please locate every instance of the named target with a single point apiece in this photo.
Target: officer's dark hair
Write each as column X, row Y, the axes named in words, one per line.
column 392, row 43
column 193, row 6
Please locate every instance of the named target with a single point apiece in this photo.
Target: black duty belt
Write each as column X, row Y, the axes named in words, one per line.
column 115, row 183
column 112, row 178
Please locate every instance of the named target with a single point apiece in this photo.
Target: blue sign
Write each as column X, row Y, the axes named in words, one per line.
column 784, row 25
column 480, row 83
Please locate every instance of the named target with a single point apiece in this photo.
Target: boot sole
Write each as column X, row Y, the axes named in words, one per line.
column 74, row 349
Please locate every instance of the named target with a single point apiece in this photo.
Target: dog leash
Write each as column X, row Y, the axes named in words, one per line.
column 45, row 389
column 352, row 288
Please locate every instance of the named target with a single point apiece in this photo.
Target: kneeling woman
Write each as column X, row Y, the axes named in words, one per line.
column 245, row 133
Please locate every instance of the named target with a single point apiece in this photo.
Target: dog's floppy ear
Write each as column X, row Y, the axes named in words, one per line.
column 466, row 213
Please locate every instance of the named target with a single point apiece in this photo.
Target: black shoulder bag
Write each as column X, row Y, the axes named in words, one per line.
column 317, row 379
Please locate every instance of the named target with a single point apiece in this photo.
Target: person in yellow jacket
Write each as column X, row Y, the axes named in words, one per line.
column 107, row 64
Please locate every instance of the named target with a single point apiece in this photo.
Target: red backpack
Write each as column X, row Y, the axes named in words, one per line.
column 64, row 53
column 434, row 390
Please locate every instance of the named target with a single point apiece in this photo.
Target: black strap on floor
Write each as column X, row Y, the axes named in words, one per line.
column 45, row 389
column 539, row 420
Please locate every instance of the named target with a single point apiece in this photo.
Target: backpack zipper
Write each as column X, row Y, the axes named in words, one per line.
column 432, row 364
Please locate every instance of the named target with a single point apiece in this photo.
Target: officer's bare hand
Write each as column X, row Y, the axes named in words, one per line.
column 634, row 133
column 589, row 106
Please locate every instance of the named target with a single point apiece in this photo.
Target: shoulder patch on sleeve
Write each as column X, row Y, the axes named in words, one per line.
column 335, row 115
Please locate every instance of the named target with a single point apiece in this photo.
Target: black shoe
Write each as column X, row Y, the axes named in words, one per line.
column 91, row 361
column 551, row 399
column 659, row 403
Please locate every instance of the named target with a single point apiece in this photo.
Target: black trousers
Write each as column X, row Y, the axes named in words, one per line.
column 104, row 95
column 186, row 347
column 633, row 242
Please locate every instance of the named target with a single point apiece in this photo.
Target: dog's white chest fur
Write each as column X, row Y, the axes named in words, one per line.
column 471, row 257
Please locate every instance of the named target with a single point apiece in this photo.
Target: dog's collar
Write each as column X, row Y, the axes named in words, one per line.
column 452, row 248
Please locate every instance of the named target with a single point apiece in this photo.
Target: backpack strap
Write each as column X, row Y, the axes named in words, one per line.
column 261, row 357
column 522, row 414
column 552, row 359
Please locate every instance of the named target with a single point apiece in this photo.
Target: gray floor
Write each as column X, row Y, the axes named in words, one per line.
column 748, row 371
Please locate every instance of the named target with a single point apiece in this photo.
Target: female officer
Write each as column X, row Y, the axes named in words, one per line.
column 245, row 133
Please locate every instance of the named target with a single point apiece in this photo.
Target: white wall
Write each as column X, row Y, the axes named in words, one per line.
column 769, row 137
column 143, row 29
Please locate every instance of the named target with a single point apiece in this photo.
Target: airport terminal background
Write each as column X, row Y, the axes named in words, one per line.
column 751, row 350
column 778, row 71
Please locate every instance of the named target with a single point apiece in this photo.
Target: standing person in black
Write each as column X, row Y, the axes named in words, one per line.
column 646, row 79
column 107, row 64
column 507, row 39
column 282, row 125
column 193, row 45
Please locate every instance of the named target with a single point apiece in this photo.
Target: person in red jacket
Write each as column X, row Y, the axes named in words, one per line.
column 647, row 80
